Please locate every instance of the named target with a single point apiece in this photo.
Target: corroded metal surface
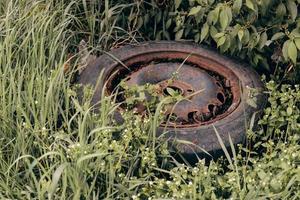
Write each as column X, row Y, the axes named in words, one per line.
column 204, row 94
column 211, row 91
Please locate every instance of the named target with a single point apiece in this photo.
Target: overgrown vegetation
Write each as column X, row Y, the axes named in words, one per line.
column 53, row 147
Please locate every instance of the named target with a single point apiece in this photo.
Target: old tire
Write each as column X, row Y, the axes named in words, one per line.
column 202, row 136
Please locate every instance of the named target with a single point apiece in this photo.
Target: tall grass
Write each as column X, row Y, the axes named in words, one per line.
column 53, row 147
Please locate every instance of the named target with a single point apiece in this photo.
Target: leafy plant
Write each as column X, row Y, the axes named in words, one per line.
column 266, row 33
column 53, row 147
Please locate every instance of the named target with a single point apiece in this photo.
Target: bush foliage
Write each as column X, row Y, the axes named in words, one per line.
column 265, row 33
column 52, row 147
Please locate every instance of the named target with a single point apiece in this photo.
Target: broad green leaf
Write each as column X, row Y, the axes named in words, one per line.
column 278, row 36
column 168, row 24
column 292, row 7
column 195, row 10
column 289, row 111
column 218, row 35
column 221, row 41
column 285, row 49
column 280, row 10
column 204, row 31
column 179, row 34
column 250, row 4
column 229, row 14
column 241, row 34
column 177, row 4
column 246, row 36
column 213, row 16
column 223, row 19
column 292, row 51
column 237, row 5
column 263, row 39
column 213, row 31
column 295, row 32
column 226, row 45
column 297, row 42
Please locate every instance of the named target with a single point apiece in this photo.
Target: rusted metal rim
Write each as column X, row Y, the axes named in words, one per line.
column 212, row 90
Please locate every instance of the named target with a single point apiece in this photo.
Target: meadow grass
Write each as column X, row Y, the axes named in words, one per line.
column 55, row 147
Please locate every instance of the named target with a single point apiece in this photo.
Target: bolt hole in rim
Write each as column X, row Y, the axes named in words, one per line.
column 151, row 67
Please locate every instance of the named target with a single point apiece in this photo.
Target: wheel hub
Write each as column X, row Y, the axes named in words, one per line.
column 204, row 94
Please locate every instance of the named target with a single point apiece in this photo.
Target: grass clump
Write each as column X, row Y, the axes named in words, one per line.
column 53, row 147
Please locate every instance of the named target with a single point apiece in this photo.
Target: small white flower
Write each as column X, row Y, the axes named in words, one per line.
column 36, row 102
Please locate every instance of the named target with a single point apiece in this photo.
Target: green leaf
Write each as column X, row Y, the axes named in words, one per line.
column 229, row 14
column 218, row 35
column 280, row 10
column 250, row 4
column 295, row 32
column 204, row 31
column 55, row 179
column 179, row 34
column 292, row 52
column 213, row 16
column 223, row 19
column 292, row 7
column 278, row 36
column 297, row 42
column 237, row 5
column 195, row 10
column 226, row 45
column 177, row 4
column 213, row 31
column 285, row 49
column 263, row 39
column 289, row 111
column 221, row 41
column 252, row 102
column 171, row 91
column 241, row 34
column 168, row 24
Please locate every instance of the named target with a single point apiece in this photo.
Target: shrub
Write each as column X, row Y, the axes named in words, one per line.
column 265, row 33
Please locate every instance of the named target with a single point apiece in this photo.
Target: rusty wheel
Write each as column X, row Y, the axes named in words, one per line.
column 216, row 89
